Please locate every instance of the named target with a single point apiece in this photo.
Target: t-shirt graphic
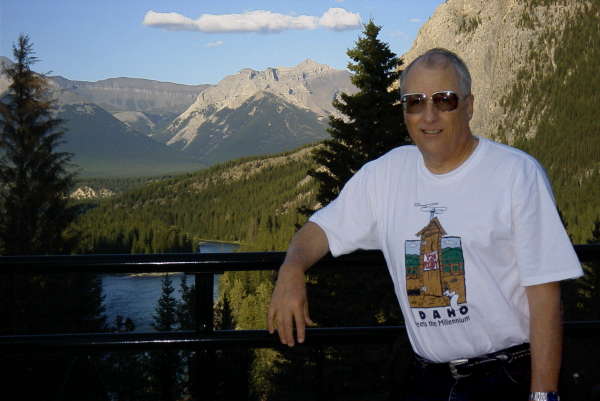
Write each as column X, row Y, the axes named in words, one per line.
column 435, row 268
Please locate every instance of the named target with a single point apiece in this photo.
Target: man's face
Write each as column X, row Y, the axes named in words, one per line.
column 441, row 136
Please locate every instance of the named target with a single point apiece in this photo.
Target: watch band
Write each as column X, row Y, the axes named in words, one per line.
column 544, row 396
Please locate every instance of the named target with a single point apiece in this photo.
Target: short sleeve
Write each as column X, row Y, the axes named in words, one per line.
column 543, row 249
column 349, row 221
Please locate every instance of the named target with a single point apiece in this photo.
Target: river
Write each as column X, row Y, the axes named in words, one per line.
column 136, row 296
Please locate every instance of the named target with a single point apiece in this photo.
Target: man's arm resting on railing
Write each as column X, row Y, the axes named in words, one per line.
column 289, row 303
column 546, row 335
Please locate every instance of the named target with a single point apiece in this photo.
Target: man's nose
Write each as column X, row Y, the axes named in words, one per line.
column 430, row 113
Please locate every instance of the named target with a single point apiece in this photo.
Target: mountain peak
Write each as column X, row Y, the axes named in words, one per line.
column 310, row 63
column 309, row 86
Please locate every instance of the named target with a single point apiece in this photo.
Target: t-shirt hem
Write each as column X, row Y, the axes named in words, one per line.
column 549, row 278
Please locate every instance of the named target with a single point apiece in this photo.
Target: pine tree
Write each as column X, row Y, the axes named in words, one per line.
column 165, row 318
column 165, row 366
column 34, row 177
column 372, row 122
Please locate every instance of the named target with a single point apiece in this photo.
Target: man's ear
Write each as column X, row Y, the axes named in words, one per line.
column 470, row 101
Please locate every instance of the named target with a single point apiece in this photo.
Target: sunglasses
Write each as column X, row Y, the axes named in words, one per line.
column 442, row 101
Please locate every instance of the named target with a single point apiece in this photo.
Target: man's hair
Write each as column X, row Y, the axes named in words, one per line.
column 442, row 58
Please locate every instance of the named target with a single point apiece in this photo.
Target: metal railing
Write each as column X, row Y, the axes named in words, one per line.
column 204, row 267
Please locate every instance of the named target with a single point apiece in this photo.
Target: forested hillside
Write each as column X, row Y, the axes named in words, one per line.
column 552, row 111
column 253, row 201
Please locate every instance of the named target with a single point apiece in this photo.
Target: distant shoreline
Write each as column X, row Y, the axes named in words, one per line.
column 216, row 241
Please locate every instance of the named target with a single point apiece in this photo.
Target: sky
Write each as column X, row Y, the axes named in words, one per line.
column 199, row 41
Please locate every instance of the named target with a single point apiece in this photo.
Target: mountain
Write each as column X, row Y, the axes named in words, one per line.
column 104, row 146
column 249, row 113
column 142, row 104
column 304, row 92
column 263, row 124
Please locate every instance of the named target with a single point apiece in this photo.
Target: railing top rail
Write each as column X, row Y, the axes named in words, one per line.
column 227, row 338
column 175, row 262
column 202, row 263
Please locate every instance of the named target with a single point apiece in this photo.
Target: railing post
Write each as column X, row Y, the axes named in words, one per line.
column 203, row 371
column 205, row 288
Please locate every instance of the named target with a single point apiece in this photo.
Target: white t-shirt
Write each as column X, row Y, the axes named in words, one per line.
column 460, row 247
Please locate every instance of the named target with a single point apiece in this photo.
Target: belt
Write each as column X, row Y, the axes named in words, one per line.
column 461, row 368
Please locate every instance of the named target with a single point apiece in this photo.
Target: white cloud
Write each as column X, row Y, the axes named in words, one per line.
column 214, row 44
column 415, row 20
column 253, row 21
column 339, row 1
column 339, row 19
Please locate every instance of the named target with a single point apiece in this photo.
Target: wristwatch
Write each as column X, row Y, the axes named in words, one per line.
column 544, row 396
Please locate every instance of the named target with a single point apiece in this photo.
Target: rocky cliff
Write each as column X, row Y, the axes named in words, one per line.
column 309, row 85
column 494, row 38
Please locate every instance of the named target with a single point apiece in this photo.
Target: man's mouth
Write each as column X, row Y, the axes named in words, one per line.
column 431, row 131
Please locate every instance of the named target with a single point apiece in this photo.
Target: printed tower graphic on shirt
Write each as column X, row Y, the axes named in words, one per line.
column 435, row 268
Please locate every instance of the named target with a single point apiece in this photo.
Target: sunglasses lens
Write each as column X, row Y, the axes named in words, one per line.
column 414, row 103
column 445, row 101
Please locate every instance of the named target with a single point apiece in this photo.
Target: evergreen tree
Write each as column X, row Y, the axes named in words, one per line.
column 186, row 310
column 34, row 176
column 372, row 122
column 165, row 365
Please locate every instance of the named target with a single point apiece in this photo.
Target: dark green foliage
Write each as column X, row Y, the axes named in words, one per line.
column 252, row 200
column 186, row 309
column 165, row 318
column 35, row 214
column 118, row 185
column 34, row 177
column 165, row 366
column 372, row 125
column 373, row 122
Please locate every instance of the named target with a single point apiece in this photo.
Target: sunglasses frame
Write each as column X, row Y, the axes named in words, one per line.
column 425, row 98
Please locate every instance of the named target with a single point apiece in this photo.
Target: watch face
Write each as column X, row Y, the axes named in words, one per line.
column 552, row 396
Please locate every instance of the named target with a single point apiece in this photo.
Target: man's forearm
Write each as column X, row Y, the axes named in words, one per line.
column 306, row 248
column 545, row 335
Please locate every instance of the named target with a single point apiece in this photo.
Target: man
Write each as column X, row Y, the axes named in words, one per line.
column 472, row 240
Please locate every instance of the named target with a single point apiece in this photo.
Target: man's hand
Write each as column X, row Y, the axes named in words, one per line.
column 289, row 306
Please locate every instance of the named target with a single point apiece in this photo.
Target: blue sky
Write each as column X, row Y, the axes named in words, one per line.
column 199, row 41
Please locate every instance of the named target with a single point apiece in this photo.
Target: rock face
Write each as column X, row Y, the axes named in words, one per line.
column 86, row 192
column 4, row 81
column 309, row 86
column 493, row 37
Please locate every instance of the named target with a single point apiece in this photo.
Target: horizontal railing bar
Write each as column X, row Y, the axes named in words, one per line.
column 227, row 338
column 176, row 262
column 202, row 263
column 190, row 339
